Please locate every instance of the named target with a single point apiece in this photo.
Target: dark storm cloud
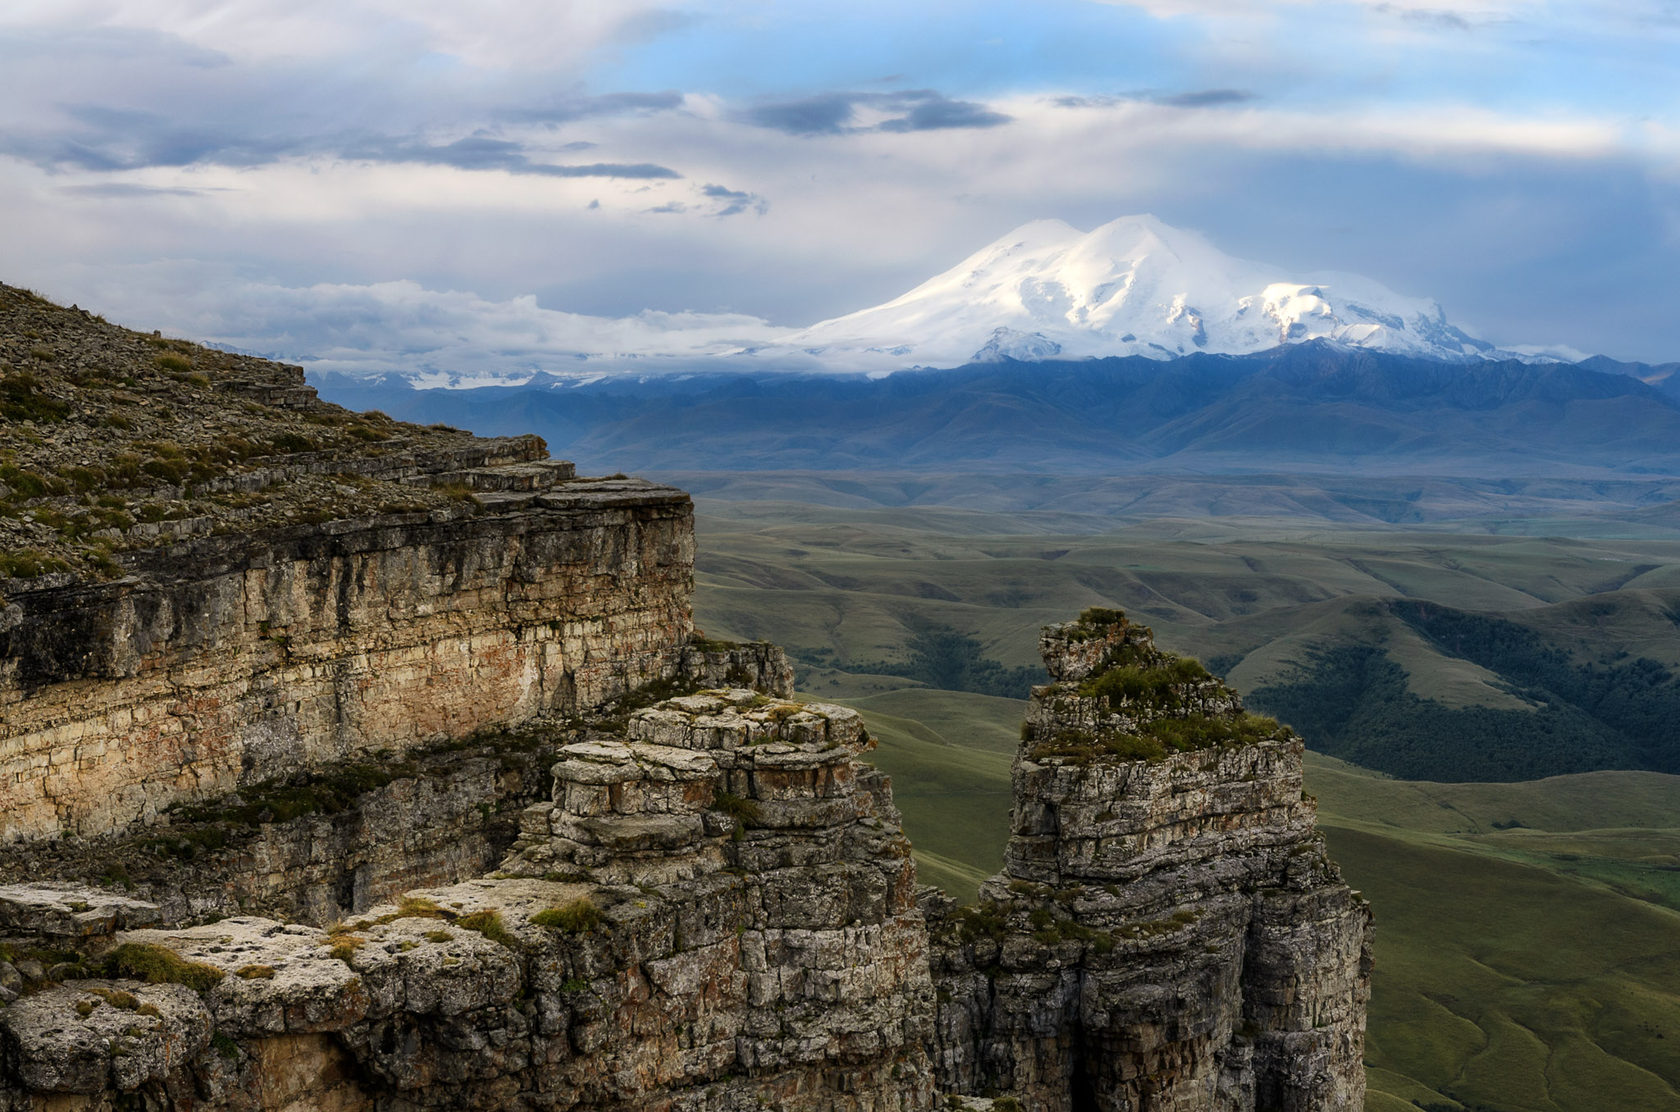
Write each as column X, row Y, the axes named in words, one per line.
column 834, row 113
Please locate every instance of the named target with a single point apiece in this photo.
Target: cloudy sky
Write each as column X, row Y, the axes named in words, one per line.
column 452, row 185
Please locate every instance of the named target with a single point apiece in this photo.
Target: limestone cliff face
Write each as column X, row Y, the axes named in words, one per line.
column 715, row 911
column 1168, row 933
column 713, row 908
column 227, row 660
column 324, row 843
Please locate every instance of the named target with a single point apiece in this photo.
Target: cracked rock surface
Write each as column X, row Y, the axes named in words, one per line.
column 716, row 910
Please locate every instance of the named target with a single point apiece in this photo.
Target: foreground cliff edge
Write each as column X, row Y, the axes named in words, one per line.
column 350, row 765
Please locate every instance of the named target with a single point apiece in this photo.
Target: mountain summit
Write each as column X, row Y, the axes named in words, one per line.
column 1046, row 291
column 1134, row 286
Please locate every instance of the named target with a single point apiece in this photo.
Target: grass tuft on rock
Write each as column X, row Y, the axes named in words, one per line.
column 489, row 924
column 157, row 965
column 745, row 812
column 343, row 946
column 581, row 916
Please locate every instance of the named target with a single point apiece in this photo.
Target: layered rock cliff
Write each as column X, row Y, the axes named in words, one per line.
column 714, row 911
column 347, row 765
column 714, row 908
column 231, row 659
column 1168, row 932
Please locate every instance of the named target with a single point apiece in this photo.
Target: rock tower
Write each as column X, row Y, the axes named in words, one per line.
column 1168, row 932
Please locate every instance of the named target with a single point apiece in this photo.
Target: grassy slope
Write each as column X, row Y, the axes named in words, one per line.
column 1525, row 953
column 107, row 435
column 1227, row 587
column 948, row 753
column 1528, row 968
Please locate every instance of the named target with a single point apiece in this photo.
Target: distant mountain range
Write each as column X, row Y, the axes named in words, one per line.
column 1044, row 292
column 1317, row 406
column 1131, row 348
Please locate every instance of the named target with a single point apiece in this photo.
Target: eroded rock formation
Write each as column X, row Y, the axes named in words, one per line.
column 228, row 660
column 352, row 766
column 719, row 914
column 714, row 908
column 1168, row 932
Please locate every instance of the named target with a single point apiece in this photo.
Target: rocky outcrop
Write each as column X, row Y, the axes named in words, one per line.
column 714, row 908
column 228, row 660
column 329, row 841
column 715, row 911
column 320, row 845
column 1168, row 933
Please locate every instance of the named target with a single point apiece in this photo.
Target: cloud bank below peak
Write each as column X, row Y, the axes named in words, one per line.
column 456, row 338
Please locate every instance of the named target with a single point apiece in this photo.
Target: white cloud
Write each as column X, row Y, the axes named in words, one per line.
column 1420, row 131
column 487, row 33
column 851, row 219
column 1224, row 10
column 440, row 336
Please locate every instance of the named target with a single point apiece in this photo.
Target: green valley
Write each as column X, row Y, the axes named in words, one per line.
column 1525, row 928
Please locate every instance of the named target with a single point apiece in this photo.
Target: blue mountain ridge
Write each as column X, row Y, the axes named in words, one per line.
column 1302, row 407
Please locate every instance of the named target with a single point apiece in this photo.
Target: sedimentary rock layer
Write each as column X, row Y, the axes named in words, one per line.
column 1168, row 933
column 723, row 918
column 228, row 660
column 318, row 847
column 323, row 843
column 714, row 909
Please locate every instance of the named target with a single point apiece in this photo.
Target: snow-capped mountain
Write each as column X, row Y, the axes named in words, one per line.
column 1134, row 286
column 1045, row 291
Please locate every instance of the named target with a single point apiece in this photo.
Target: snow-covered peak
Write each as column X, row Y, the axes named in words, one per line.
column 1134, row 286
